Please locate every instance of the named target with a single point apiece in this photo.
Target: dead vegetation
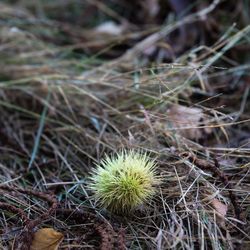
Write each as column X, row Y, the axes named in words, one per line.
column 73, row 87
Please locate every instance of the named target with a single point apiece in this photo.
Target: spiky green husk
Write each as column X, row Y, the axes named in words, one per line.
column 124, row 181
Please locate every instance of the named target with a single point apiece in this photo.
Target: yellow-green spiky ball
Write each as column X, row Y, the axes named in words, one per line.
column 124, row 181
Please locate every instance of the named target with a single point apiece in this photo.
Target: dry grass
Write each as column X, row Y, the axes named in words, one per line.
column 63, row 106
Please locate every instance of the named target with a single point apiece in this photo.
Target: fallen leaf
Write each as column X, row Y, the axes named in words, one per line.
column 186, row 120
column 219, row 207
column 46, row 239
column 110, row 28
column 152, row 7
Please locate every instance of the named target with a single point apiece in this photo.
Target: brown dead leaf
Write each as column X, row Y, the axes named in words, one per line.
column 191, row 118
column 46, row 239
column 152, row 7
column 219, row 207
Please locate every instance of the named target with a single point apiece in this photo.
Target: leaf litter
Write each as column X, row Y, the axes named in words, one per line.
column 191, row 115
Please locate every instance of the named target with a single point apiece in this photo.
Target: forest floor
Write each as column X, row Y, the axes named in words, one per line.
column 81, row 79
